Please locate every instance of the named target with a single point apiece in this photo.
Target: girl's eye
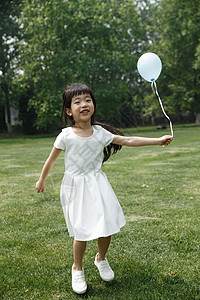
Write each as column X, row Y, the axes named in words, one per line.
column 88, row 100
column 76, row 102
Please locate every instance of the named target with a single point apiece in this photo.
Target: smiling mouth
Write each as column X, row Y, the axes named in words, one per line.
column 85, row 111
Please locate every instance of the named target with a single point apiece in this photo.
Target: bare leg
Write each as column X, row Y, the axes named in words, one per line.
column 79, row 251
column 103, row 244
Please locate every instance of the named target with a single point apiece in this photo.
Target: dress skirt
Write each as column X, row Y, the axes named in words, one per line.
column 91, row 208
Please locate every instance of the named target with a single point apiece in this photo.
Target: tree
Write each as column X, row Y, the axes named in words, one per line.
column 176, row 39
column 96, row 42
column 9, row 12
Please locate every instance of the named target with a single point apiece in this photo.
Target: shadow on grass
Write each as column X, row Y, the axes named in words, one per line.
column 143, row 286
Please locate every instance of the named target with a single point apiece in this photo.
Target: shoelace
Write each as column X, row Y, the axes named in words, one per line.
column 104, row 265
column 79, row 277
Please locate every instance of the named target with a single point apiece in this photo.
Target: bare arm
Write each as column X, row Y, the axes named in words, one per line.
column 140, row 141
column 47, row 168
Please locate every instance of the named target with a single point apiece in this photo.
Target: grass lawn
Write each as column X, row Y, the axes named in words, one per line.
column 155, row 256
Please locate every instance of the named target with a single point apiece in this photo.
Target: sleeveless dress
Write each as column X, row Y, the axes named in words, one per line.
column 90, row 206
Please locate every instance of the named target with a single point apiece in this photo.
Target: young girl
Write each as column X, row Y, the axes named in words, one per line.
column 90, row 207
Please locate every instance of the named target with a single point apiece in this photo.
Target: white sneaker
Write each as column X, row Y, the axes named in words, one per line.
column 105, row 270
column 79, row 285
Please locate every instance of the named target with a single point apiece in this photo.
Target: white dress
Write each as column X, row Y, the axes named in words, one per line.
column 90, row 206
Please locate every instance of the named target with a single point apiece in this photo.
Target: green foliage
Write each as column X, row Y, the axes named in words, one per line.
column 176, row 40
column 9, row 12
column 52, row 43
column 87, row 41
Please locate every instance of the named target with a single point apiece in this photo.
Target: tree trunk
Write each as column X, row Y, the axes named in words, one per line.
column 8, row 116
column 198, row 119
column 2, row 119
column 153, row 119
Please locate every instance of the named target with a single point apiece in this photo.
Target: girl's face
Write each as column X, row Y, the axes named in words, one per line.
column 82, row 108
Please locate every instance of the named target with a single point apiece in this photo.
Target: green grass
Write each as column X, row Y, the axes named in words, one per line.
column 155, row 256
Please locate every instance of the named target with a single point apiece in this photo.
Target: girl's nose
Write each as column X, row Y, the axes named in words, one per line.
column 84, row 104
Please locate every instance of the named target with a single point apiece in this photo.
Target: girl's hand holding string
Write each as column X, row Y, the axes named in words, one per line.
column 165, row 140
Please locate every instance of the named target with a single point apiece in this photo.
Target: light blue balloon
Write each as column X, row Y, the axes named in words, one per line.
column 149, row 66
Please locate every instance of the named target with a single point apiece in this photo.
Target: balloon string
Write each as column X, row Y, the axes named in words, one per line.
column 153, row 85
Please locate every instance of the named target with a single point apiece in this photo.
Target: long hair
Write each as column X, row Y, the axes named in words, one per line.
column 75, row 89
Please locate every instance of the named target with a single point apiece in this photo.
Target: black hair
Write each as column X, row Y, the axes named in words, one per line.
column 75, row 89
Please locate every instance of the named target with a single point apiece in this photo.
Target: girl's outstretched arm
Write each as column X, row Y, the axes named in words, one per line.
column 47, row 168
column 140, row 141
